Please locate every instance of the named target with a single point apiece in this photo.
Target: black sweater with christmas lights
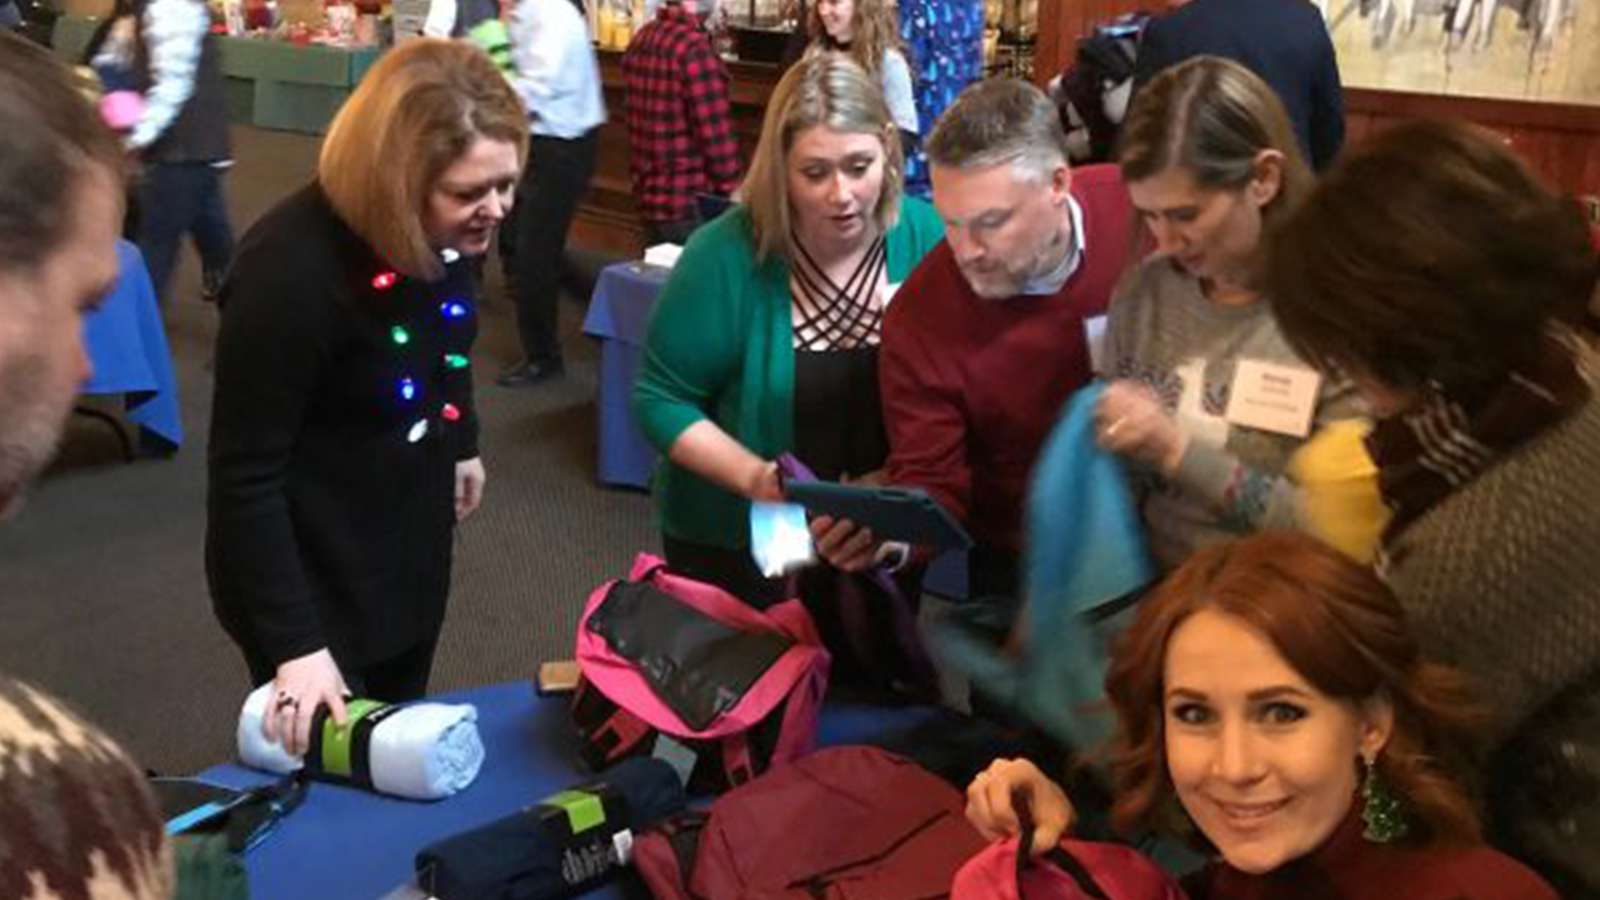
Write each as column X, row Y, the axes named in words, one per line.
column 343, row 402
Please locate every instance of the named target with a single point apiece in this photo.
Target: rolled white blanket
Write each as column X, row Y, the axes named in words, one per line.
column 425, row 751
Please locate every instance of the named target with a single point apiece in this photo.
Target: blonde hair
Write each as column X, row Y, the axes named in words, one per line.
column 874, row 30
column 416, row 112
column 1211, row 117
column 822, row 89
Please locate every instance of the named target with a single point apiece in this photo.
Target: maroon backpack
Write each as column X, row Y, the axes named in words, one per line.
column 1072, row 870
column 845, row 822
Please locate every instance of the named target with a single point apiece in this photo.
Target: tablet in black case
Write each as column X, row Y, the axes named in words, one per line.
column 893, row 513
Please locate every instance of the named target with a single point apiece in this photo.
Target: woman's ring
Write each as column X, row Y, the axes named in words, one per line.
column 287, row 700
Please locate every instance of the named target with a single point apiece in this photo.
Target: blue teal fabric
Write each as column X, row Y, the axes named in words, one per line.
column 1085, row 548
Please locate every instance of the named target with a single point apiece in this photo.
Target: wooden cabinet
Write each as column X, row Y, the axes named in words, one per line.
column 608, row 219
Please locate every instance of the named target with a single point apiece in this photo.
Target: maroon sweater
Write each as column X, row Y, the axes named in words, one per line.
column 1349, row 867
column 972, row 387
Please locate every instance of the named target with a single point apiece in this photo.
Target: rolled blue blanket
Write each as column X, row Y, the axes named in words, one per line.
column 421, row 751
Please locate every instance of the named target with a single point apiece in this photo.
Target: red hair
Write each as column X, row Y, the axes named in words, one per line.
column 1342, row 630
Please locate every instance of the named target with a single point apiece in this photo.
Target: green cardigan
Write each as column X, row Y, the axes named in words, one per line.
column 721, row 346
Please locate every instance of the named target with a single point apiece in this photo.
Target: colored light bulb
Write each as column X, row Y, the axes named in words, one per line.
column 400, row 335
column 408, row 389
column 456, row 361
column 417, row 432
column 450, row 413
column 453, row 309
column 384, row 280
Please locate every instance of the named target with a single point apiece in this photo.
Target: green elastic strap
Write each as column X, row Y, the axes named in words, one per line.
column 337, row 740
column 584, row 810
column 492, row 38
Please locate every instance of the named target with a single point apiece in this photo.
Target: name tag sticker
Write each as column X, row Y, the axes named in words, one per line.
column 1094, row 334
column 1280, row 399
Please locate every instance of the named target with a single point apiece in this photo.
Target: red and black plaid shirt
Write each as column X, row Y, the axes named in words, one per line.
column 680, row 132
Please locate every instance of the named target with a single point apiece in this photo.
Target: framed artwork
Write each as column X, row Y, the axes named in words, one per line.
column 1544, row 50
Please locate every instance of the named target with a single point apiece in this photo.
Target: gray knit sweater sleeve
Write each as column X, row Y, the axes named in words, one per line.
column 1256, row 497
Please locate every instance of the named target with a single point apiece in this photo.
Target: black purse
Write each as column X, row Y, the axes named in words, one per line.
column 245, row 817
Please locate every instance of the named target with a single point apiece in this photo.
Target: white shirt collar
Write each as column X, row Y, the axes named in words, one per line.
column 1051, row 282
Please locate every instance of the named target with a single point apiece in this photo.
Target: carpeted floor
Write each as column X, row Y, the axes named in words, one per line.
column 101, row 580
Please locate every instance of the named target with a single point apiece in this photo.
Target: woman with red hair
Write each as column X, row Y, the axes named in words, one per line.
column 1274, row 708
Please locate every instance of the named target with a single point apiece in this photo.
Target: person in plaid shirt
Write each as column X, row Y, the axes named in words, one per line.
column 680, row 132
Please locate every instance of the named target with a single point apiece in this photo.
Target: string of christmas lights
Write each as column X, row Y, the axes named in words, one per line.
column 452, row 311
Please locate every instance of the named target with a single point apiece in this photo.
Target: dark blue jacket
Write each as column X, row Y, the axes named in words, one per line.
column 1283, row 41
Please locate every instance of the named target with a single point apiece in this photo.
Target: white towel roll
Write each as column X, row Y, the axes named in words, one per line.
column 425, row 751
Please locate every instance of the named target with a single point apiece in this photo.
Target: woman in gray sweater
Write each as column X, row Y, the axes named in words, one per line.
column 1436, row 272
column 1210, row 161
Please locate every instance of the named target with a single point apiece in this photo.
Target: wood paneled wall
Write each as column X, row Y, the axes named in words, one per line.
column 1062, row 22
column 1562, row 141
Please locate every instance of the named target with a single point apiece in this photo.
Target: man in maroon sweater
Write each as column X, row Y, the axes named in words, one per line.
column 985, row 341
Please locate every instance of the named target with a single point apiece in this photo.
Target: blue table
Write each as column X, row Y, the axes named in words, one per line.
column 128, row 347
column 345, row 844
column 619, row 315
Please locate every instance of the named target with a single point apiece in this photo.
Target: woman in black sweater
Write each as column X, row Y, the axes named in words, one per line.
column 343, row 440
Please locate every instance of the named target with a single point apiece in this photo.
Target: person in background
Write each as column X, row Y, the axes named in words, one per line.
column 79, row 821
column 457, row 18
column 986, row 339
column 182, row 138
column 558, row 78
column 1441, row 276
column 680, row 128
column 1210, row 162
column 765, row 338
column 1286, row 44
column 1274, row 708
column 870, row 33
column 944, row 41
column 344, row 444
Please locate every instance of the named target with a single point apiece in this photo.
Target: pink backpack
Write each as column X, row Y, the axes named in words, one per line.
column 1073, row 870
column 687, row 672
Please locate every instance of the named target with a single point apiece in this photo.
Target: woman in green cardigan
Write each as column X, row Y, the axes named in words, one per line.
column 764, row 340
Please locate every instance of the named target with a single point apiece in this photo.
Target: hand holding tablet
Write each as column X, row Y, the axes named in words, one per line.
column 892, row 513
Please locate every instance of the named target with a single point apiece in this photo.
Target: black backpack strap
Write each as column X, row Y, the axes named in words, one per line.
column 1024, row 844
column 1066, row 862
column 1058, row 857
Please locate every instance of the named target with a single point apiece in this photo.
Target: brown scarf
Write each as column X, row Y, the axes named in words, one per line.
column 1425, row 454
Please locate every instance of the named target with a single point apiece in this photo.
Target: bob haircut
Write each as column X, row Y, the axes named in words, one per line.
column 875, row 29
column 416, row 112
column 1342, row 630
column 1211, row 117
column 821, row 89
column 1000, row 121
column 1430, row 254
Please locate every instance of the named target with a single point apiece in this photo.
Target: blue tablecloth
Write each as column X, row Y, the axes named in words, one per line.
column 619, row 315
column 345, row 844
column 128, row 347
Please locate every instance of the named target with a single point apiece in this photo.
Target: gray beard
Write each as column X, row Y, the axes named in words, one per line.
column 29, row 431
column 1048, row 272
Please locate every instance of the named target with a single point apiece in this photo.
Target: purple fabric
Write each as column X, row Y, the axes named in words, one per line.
column 899, row 655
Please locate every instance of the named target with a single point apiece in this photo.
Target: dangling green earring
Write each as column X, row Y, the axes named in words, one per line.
column 1381, row 808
